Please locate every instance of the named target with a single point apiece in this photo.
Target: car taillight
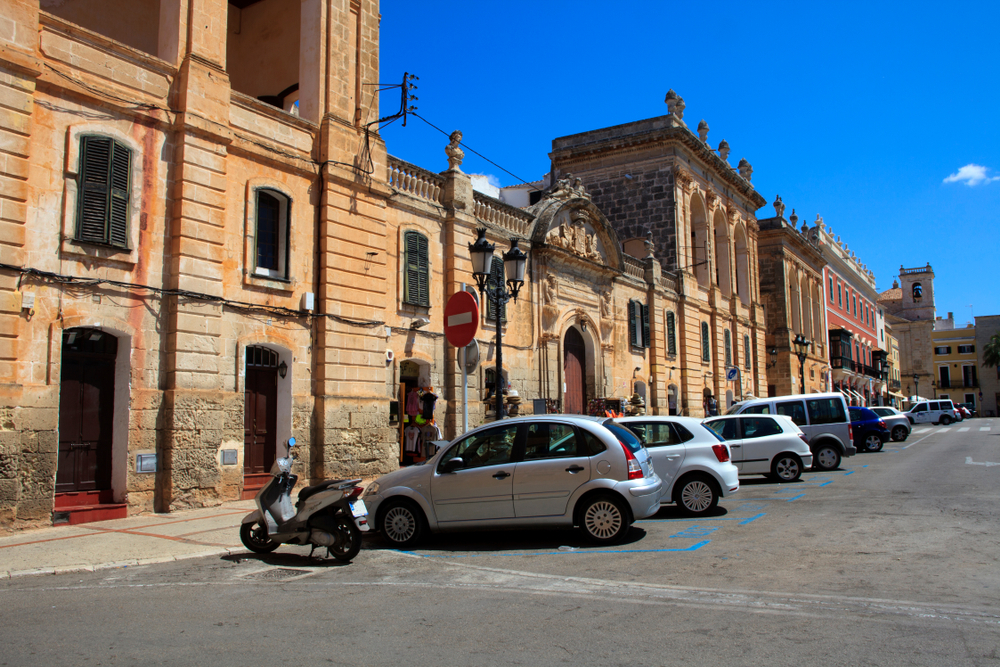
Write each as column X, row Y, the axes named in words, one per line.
column 850, row 432
column 804, row 438
column 881, row 423
column 355, row 492
column 634, row 468
column 721, row 452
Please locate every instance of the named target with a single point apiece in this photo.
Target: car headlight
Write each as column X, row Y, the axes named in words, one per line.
column 370, row 490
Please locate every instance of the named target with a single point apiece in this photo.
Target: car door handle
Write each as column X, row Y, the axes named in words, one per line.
column 501, row 475
column 734, row 446
column 673, row 456
column 574, row 469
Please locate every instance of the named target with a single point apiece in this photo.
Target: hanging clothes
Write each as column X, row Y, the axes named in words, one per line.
column 428, row 400
column 411, row 440
column 412, row 402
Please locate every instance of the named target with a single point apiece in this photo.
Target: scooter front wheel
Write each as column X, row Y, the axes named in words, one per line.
column 348, row 542
column 254, row 537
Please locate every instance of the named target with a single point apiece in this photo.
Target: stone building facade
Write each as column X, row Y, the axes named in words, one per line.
column 910, row 312
column 791, row 282
column 205, row 249
column 989, row 376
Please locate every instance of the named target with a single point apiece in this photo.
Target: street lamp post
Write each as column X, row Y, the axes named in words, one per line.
column 514, row 261
column 802, row 351
column 916, row 385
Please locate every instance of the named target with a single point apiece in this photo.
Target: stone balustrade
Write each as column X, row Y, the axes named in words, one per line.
column 497, row 213
column 415, row 181
column 635, row 268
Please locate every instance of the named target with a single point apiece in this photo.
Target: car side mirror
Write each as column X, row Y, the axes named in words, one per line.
column 451, row 465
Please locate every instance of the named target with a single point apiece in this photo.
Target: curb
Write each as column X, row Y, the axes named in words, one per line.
column 112, row 565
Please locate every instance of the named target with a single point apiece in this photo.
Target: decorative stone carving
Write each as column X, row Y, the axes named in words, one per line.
column 779, row 207
column 649, row 244
column 703, row 131
column 683, row 178
column 733, row 215
column 454, row 151
column 746, row 169
column 711, row 198
column 724, row 150
column 679, row 108
column 569, row 188
column 572, row 235
column 671, row 101
column 550, row 290
column 607, row 305
column 793, row 218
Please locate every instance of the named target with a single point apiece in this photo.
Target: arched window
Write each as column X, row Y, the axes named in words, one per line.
column 705, row 350
column 105, row 175
column 918, row 291
column 671, row 334
column 416, row 283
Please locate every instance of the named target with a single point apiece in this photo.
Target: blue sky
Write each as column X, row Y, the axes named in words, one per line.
column 858, row 112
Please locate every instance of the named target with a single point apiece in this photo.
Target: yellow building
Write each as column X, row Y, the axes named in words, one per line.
column 954, row 358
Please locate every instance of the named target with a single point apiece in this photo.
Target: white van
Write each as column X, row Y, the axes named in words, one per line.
column 932, row 412
column 822, row 417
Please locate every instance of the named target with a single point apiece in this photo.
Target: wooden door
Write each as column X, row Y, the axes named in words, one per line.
column 574, row 357
column 260, row 419
column 86, row 412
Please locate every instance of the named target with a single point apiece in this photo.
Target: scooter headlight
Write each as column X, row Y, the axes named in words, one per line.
column 370, row 490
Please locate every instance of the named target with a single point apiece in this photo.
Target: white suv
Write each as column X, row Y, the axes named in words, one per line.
column 769, row 445
column 690, row 458
column 932, row 412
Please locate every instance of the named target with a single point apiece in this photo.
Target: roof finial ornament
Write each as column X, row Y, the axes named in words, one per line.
column 703, row 131
column 779, row 207
column 724, row 150
column 746, row 169
column 793, row 218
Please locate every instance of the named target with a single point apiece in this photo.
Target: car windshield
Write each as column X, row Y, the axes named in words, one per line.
column 625, row 436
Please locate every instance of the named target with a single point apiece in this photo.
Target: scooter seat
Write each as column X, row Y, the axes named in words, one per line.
column 322, row 486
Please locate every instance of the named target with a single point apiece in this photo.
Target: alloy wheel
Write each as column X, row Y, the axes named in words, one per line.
column 399, row 524
column 603, row 519
column 697, row 496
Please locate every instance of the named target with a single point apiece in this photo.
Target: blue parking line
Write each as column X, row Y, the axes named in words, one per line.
column 753, row 518
column 796, row 497
column 693, row 547
column 851, row 472
column 825, row 483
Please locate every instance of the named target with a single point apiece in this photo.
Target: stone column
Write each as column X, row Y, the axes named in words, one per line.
column 656, row 401
column 195, row 408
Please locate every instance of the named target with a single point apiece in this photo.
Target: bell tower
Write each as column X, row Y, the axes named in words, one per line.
column 918, row 293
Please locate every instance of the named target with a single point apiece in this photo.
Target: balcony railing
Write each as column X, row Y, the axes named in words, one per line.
column 847, row 364
column 958, row 384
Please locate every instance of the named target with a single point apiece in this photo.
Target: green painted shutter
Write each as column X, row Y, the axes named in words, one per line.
column 95, row 162
column 121, row 159
column 671, row 334
column 704, row 342
column 746, row 351
column 632, row 325
column 645, row 324
column 416, row 288
column 729, row 348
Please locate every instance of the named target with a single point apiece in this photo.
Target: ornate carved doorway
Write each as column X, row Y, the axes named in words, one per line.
column 574, row 358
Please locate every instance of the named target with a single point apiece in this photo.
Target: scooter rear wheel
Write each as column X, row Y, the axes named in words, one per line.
column 254, row 537
column 348, row 540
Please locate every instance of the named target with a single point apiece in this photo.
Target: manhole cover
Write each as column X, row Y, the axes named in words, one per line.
column 277, row 574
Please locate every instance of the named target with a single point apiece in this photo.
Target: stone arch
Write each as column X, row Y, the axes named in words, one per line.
column 673, row 400
column 548, row 214
column 700, row 248
column 742, row 271
column 593, row 368
column 723, row 266
column 283, row 399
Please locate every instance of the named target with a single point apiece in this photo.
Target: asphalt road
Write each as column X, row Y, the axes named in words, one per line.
column 890, row 560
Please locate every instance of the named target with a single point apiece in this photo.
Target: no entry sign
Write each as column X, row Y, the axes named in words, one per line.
column 461, row 319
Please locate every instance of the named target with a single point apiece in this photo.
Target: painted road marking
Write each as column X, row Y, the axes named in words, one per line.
column 963, row 429
column 944, row 430
column 796, row 497
column 970, row 462
column 571, row 550
column 695, row 531
column 984, row 428
column 921, row 430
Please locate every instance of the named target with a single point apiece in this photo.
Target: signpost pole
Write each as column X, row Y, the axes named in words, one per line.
column 465, row 387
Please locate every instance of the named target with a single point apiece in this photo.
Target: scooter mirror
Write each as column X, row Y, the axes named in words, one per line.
column 291, row 442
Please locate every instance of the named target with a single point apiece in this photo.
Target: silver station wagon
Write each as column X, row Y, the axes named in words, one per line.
column 534, row 471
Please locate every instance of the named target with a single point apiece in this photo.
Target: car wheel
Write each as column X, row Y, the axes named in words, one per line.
column 899, row 434
column 786, row 468
column 401, row 524
column 945, row 420
column 827, row 457
column 604, row 519
column 873, row 443
column 696, row 495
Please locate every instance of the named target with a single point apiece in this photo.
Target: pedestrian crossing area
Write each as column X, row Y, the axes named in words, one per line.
column 945, row 429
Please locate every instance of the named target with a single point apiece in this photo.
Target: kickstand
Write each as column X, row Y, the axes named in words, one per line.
column 312, row 549
column 328, row 554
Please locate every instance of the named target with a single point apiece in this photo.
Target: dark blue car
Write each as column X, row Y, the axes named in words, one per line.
column 870, row 432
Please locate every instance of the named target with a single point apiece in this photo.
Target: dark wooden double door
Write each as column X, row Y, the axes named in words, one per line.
column 574, row 373
column 86, row 411
column 260, row 420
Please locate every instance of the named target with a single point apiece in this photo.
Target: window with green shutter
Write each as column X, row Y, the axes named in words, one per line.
column 105, row 174
column 638, row 324
column 671, row 334
column 728, row 340
column 746, row 352
column 704, row 342
column 416, row 285
column 497, row 279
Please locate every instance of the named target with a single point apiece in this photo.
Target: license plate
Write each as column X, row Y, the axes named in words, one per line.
column 358, row 508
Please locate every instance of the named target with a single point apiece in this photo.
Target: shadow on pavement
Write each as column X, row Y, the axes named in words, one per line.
column 287, row 559
column 547, row 540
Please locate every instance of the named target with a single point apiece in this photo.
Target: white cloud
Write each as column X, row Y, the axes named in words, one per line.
column 971, row 174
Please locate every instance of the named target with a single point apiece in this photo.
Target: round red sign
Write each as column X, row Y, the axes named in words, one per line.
column 461, row 319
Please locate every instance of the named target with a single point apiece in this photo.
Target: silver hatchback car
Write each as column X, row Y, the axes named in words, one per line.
column 534, row 471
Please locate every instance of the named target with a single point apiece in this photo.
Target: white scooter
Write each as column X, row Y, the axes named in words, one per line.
column 330, row 514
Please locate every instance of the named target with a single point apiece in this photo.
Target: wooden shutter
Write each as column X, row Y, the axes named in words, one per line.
column 632, row 324
column 105, row 173
column 645, row 324
column 671, row 334
column 704, row 342
column 746, row 351
column 416, row 288
column 728, row 340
